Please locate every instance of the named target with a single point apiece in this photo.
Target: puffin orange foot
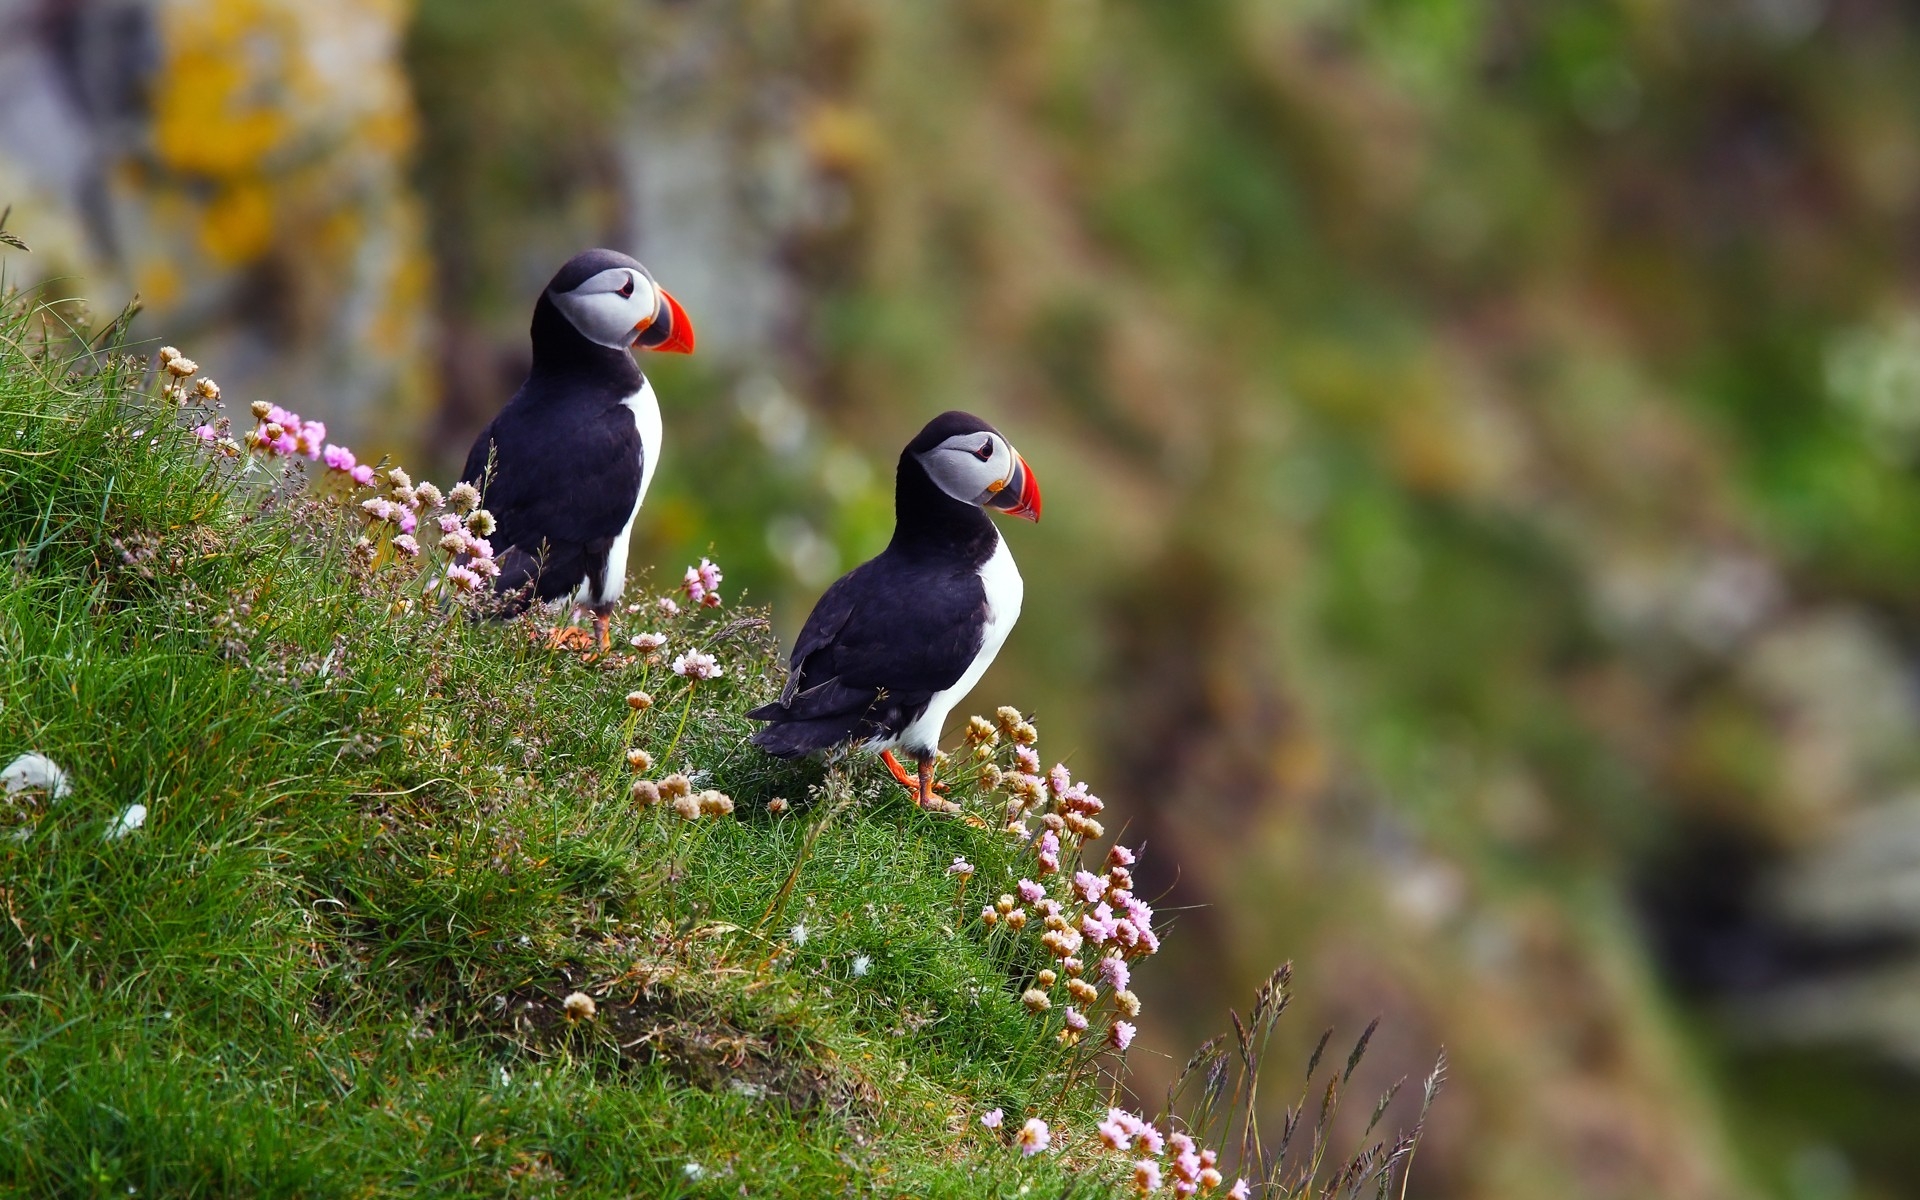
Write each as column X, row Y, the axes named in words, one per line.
column 569, row 637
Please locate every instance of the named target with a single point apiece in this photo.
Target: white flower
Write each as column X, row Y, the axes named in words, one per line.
column 130, row 820
column 647, row 643
column 799, row 934
column 36, row 772
column 694, row 1170
column 861, row 965
column 695, row 665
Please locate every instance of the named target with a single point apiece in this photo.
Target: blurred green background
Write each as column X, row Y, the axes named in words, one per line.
column 1482, row 550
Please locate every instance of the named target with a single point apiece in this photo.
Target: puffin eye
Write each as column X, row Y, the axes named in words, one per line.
column 985, row 451
column 626, row 290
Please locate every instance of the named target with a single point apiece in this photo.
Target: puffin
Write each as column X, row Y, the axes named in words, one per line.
column 565, row 466
column 896, row 642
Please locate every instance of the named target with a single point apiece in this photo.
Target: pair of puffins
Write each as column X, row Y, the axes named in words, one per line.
column 888, row 650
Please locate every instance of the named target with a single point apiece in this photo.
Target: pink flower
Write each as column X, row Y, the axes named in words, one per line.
column 285, row 443
column 1049, row 852
column 1033, row 1137
column 702, row 583
column 1146, row 1176
column 362, row 475
column 1239, row 1191
column 647, row 643
column 1090, row 886
column 1182, row 1188
column 1138, row 910
column 408, row 521
column 668, row 608
column 339, row 458
column 960, row 867
column 205, row 433
column 1147, row 1139
column 1116, row 973
column 479, row 547
column 1095, row 930
column 1025, row 758
column 1120, row 856
column 695, row 665
column 1059, row 779
column 991, row 1118
column 1120, row 1035
column 464, row 579
column 449, row 523
column 1076, row 1020
column 1114, row 1134
column 1030, row 891
column 407, row 546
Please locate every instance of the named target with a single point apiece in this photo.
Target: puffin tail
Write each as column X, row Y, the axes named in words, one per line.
column 791, row 738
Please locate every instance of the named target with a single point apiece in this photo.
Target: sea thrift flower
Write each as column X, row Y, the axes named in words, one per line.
column 1239, row 1191
column 1059, row 779
column 1008, row 717
column 696, row 665
column 1026, row 759
column 1061, row 943
column 405, row 544
column 205, row 433
column 466, row 579
column 676, row 785
column 992, row 1118
column 1146, row 1176
column 961, row 868
column 647, row 643
column 180, row 367
column 639, row 701
column 1036, row 1000
column 464, row 498
column 702, row 582
column 687, row 808
column 1210, row 1178
column 715, row 804
column 1076, row 1020
column 1120, row 1035
column 362, row 475
column 1030, row 891
column 1049, row 852
column 1120, row 856
column 1115, row 1135
column 1148, row 1140
column 1046, row 977
column 1090, row 886
column 668, row 608
column 1082, row 991
column 1033, row 1137
column 428, row 495
column 579, row 1006
column 339, row 458
column 645, row 793
column 777, row 805
column 639, row 759
column 1116, row 973
column 481, row 522
column 1017, row 919
column 980, row 732
column 1126, row 1002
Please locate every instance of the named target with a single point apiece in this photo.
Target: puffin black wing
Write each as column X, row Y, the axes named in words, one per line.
column 559, row 501
column 880, row 643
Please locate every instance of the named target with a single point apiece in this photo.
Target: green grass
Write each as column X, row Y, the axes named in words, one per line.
column 384, row 842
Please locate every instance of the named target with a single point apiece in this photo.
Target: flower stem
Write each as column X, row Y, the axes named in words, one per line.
column 681, row 728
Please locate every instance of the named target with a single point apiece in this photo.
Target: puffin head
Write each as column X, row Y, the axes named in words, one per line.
column 971, row 461
column 612, row 300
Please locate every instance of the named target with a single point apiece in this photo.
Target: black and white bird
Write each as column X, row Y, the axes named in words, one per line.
column 565, row 466
column 899, row 640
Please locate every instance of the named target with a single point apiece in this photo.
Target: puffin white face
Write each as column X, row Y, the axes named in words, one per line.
column 982, row 469
column 612, row 308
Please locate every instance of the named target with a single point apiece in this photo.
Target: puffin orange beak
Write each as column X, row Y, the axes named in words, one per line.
column 1021, row 496
column 676, row 337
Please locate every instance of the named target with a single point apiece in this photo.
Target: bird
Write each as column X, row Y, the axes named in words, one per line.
column 566, row 464
column 895, row 643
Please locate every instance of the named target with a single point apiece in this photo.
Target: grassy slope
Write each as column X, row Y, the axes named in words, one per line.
column 383, row 845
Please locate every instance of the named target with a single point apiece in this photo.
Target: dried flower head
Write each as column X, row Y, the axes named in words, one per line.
column 481, row 522
column 639, row 759
column 206, row 388
column 399, row 478
column 1046, row 978
column 181, row 367
column 168, row 354
column 464, row 498
column 639, row 701
column 1036, row 1000
column 715, row 803
column 988, row 917
column 259, row 409
column 1126, row 1002
column 686, row 807
column 1082, row 991
column 1017, row 919
column 778, row 804
column 645, row 793
column 429, row 495
column 579, row 1006
column 1008, row 717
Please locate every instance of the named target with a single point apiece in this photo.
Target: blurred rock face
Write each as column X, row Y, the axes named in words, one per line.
column 240, row 165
